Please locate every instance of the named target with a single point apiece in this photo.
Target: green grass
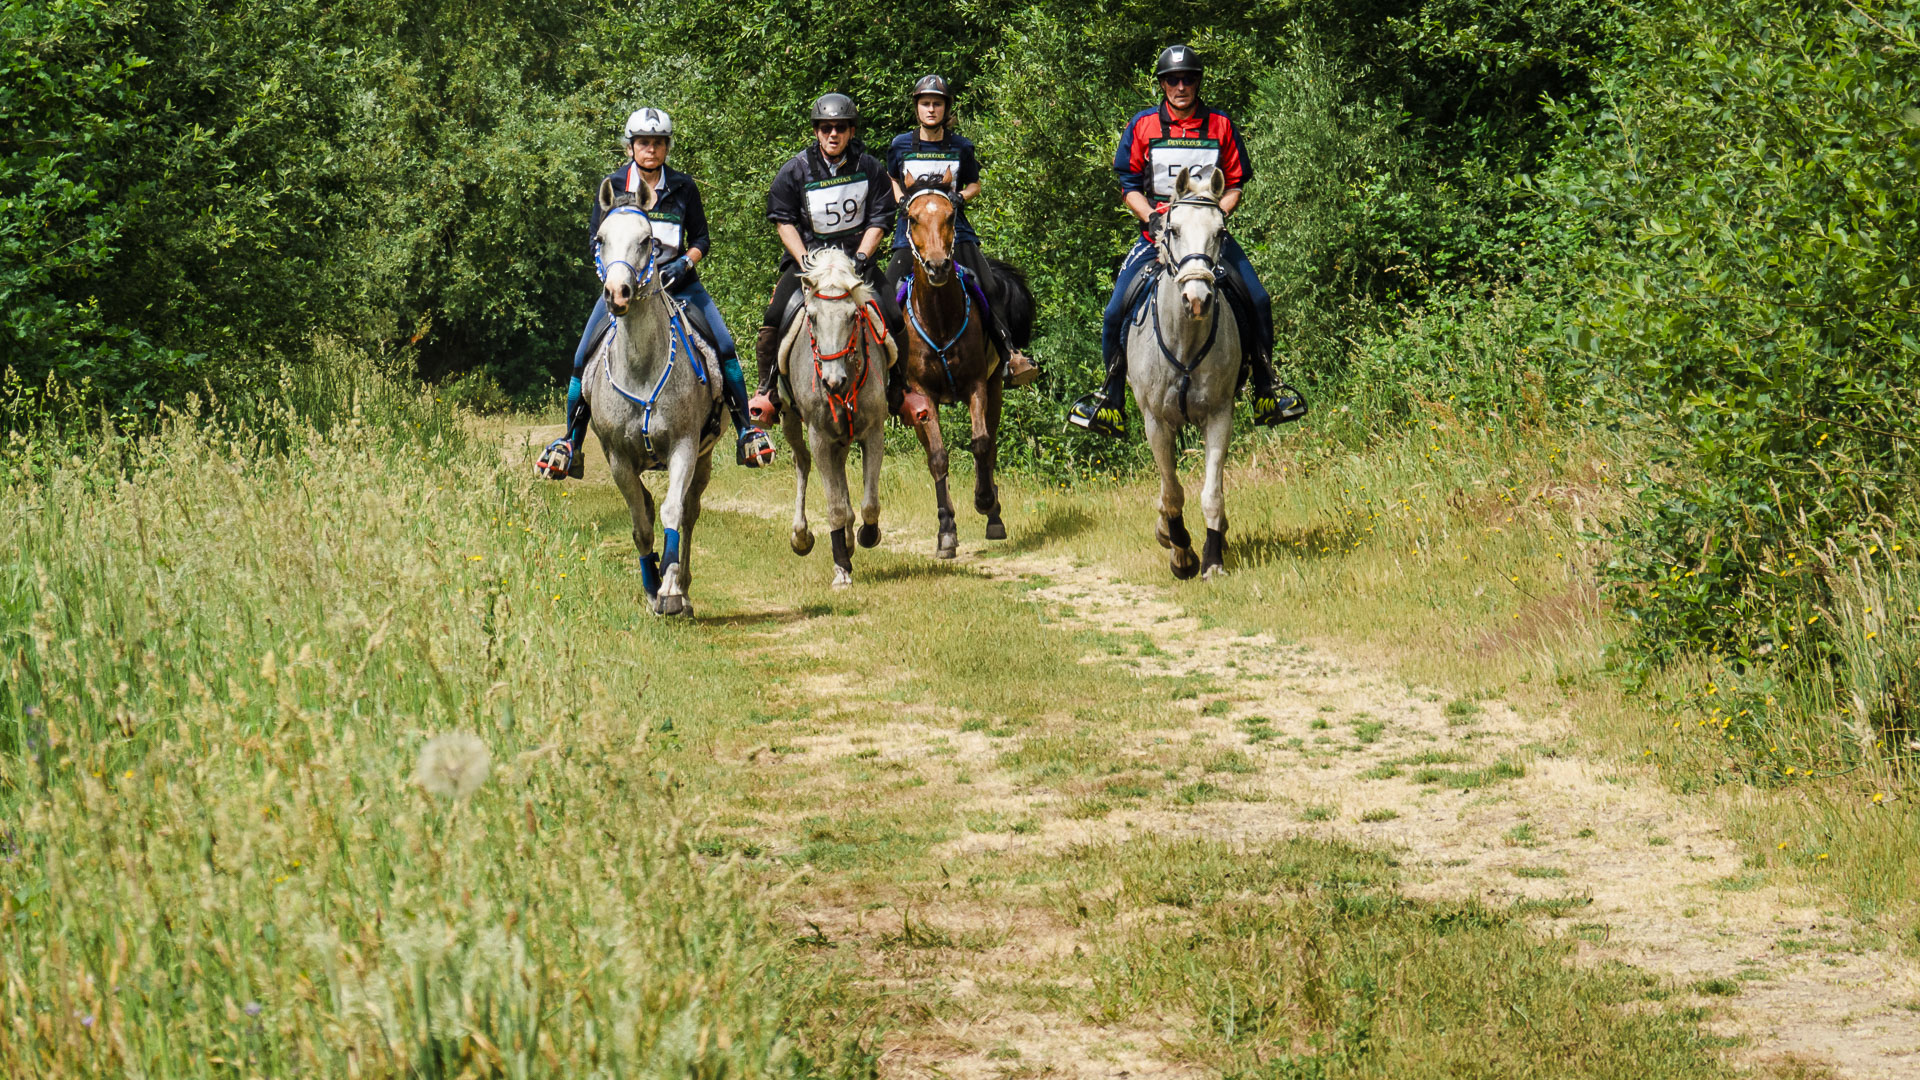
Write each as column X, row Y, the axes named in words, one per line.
column 685, row 852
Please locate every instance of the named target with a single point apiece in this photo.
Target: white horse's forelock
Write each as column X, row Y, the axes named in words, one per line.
column 830, row 270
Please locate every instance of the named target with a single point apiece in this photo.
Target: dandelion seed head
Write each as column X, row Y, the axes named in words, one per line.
column 453, row 766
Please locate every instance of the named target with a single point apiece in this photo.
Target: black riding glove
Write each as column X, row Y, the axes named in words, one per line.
column 1155, row 221
column 863, row 264
column 674, row 273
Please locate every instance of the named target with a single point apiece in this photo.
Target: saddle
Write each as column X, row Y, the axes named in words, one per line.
column 790, row 328
column 1239, row 301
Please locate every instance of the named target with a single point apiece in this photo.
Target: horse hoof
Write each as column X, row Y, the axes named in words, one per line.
column 996, row 530
column 1185, row 564
column 672, row 605
column 1213, row 572
column 802, row 541
column 842, row 577
column 869, row 535
column 948, row 546
column 1161, row 537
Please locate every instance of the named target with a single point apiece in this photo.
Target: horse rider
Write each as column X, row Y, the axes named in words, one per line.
column 672, row 201
column 931, row 150
column 1154, row 146
column 831, row 194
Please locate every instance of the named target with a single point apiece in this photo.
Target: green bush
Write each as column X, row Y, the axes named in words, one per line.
column 1753, row 298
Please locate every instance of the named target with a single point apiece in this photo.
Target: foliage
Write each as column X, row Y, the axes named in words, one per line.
column 1754, row 296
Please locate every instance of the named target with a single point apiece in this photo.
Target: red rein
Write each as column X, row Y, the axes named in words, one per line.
column 875, row 326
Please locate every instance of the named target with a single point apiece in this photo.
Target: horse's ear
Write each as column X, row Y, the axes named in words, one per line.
column 1180, row 181
column 946, row 180
column 1217, row 183
column 606, row 194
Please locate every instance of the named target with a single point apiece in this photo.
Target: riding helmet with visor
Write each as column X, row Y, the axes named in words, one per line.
column 649, row 122
column 835, row 107
column 1177, row 60
column 931, row 84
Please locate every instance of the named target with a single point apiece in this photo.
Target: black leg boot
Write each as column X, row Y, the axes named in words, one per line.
column 1105, row 410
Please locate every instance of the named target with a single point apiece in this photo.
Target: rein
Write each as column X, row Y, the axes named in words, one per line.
column 868, row 319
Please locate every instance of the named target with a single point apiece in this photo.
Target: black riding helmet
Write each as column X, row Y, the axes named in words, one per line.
column 1177, row 60
column 835, row 107
column 931, row 84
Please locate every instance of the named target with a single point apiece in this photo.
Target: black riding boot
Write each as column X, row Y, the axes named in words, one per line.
column 1105, row 410
column 1273, row 402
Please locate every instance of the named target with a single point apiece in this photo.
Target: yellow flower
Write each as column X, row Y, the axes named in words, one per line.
column 1879, row 795
column 1783, row 845
column 1823, row 856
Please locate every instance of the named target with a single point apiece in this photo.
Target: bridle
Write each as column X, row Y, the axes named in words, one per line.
column 640, row 280
column 678, row 341
column 908, row 210
column 1180, row 273
column 867, row 318
column 940, row 351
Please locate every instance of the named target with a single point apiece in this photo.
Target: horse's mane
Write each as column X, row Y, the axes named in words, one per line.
column 830, row 270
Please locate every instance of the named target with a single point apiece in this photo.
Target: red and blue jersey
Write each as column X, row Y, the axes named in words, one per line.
column 1155, row 145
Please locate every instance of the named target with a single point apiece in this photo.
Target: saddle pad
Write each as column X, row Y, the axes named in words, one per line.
column 974, row 289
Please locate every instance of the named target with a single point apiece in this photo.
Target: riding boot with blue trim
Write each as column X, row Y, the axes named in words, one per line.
column 562, row 457
column 752, row 448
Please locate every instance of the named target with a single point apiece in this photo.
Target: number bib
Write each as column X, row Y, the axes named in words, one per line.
column 1166, row 157
column 922, row 165
column 668, row 231
column 837, row 207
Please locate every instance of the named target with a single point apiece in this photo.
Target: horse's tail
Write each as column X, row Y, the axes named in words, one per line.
column 1010, row 295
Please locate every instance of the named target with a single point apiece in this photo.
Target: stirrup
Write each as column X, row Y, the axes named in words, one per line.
column 1021, row 370
column 1093, row 413
column 559, row 461
column 753, row 449
column 1284, row 407
column 762, row 409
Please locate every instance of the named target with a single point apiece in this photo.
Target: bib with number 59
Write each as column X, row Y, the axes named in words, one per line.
column 837, row 206
column 1166, row 157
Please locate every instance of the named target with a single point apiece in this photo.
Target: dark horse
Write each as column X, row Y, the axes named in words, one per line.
column 950, row 357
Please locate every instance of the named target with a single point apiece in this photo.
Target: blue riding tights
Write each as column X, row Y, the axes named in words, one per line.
column 693, row 294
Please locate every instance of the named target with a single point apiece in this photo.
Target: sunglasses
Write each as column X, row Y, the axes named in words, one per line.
column 1181, row 80
column 830, row 128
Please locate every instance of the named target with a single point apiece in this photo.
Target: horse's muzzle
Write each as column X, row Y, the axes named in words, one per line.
column 619, row 295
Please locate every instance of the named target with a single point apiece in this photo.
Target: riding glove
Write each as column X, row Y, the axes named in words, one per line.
column 675, row 272
column 863, row 264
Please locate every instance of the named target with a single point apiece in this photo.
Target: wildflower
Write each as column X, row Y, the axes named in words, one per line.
column 1783, row 845
column 1879, row 795
column 1823, row 856
column 253, row 1008
column 453, row 766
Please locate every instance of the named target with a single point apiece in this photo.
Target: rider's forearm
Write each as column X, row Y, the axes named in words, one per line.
column 1230, row 200
column 693, row 256
column 970, row 192
column 1138, row 206
column 790, row 239
column 870, row 242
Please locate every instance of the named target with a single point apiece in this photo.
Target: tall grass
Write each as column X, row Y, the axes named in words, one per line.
column 224, row 645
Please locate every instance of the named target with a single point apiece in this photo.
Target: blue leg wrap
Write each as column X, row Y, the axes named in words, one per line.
column 577, row 413
column 650, row 574
column 672, row 548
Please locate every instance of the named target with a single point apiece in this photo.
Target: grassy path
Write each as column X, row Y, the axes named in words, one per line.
column 1034, row 797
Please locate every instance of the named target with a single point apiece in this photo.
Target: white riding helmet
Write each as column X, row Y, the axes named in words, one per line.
column 649, row 122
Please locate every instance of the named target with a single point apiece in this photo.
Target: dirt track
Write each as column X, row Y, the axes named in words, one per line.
column 1649, row 878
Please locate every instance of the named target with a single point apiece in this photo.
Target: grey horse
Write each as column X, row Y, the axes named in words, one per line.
column 655, row 396
column 1183, row 362
column 835, row 360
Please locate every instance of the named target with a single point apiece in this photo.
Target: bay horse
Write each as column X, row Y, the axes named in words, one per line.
column 836, row 359
column 1185, row 371
column 949, row 356
column 655, row 397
